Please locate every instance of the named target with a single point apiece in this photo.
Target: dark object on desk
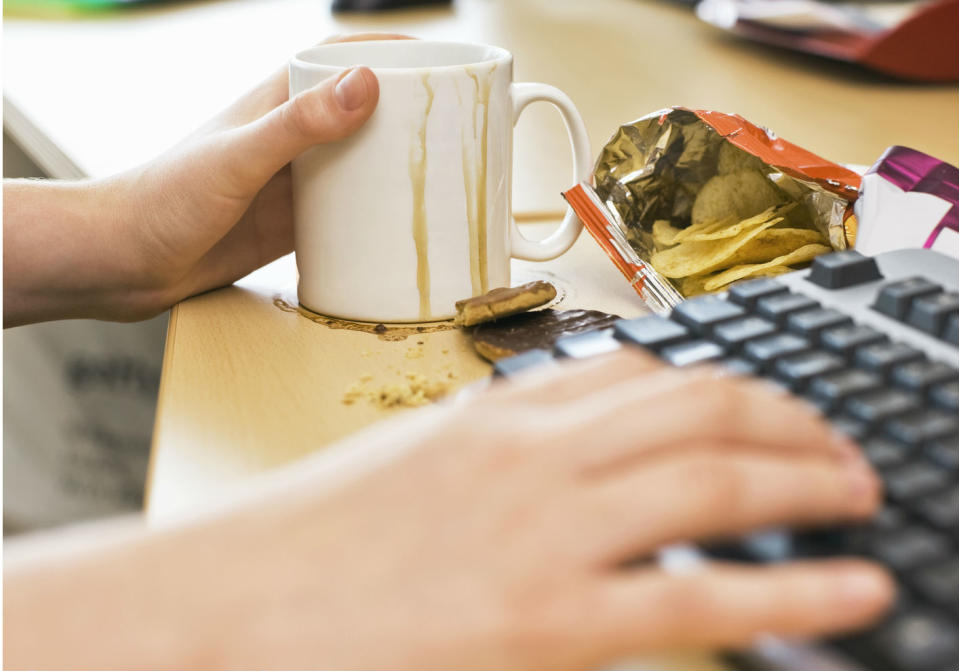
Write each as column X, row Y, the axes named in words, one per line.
column 923, row 47
column 535, row 330
column 858, row 353
column 381, row 5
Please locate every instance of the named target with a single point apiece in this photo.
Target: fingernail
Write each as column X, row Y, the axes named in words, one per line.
column 350, row 92
column 846, row 448
column 860, row 477
column 858, row 586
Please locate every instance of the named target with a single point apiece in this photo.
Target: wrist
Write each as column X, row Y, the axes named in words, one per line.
column 67, row 253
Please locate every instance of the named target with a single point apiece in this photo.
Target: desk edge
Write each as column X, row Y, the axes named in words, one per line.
column 165, row 369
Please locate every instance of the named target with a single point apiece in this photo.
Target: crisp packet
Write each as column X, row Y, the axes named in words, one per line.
column 653, row 170
column 909, row 199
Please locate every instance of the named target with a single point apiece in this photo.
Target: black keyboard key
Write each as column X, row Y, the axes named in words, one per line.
column 881, row 357
column 941, row 509
column 917, row 641
column 764, row 351
column 918, row 428
column 798, row 369
column 834, row 388
column 692, row 352
column 748, row 292
column 583, row 345
column 939, row 583
column 883, row 453
column 733, row 334
column 702, row 313
column 850, row 426
column 811, row 323
column 894, row 298
column 652, row 332
column 946, row 396
column 736, row 365
column 929, row 313
column 845, row 339
column 779, row 306
column 951, row 333
column 914, row 480
column 529, row 359
column 910, row 547
column 945, row 452
column 881, row 405
column 918, row 376
column 888, row 518
column 843, row 269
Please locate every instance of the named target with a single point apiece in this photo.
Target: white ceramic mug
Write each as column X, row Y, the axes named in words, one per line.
column 412, row 213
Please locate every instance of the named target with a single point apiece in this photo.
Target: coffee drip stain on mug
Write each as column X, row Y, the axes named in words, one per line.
column 474, row 181
column 382, row 331
column 418, row 182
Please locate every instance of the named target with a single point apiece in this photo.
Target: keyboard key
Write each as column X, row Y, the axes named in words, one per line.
column 881, row 357
column 834, row 388
column 915, row 480
column 845, row 339
column 910, row 547
column 951, row 333
column 946, row 396
column 798, row 369
column 652, row 332
column 945, row 452
column 843, row 269
column 918, row 428
column 929, row 313
column 941, row 509
column 529, row 359
column 918, row 641
column 881, row 405
column 779, row 306
column 851, row 427
column 583, row 345
column 748, row 292
column 811, row 323
column 894, row 298
column 883, row 453
column 736, row 365
column 702, row 313
column 918, row 376
column 766, row 350
column 694, row 351
column 889, row 517
column 939, row 583
column 733, row 334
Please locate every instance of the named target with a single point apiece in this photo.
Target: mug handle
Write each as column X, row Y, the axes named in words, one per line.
column 563, row 237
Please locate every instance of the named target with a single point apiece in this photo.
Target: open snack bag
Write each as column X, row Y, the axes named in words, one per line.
column 690, row 201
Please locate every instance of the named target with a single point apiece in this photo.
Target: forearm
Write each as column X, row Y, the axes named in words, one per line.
column 107, row 598
column 66, row 253
column 118, row 597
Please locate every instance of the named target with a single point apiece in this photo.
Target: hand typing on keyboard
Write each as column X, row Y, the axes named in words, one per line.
column 502, row 533
column 873, row 344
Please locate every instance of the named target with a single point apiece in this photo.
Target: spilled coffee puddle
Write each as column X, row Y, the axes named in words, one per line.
column 382, row 331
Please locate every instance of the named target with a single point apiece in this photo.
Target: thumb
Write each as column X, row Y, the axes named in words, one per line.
column 332, row 110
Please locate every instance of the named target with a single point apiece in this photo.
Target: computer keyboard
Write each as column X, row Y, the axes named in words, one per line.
column 874, row 344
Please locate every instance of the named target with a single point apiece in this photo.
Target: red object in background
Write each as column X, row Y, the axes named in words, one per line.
column 924, row 47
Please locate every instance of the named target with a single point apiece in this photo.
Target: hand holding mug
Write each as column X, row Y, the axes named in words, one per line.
column 202, row 215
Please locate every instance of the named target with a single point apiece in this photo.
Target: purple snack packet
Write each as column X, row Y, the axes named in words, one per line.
column 909, row 199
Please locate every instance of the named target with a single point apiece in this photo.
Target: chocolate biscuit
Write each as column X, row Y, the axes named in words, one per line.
column 503, row 302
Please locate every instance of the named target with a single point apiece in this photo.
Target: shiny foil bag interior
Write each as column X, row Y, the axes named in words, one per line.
column 653, row 169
